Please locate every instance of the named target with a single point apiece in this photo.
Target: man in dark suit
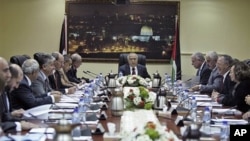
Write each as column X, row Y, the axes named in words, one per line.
column 225, row 97
column 133, row 68
column 55, row 78
column 203, row 72
column 72, row 72
column 23, row 97
column 7, row 122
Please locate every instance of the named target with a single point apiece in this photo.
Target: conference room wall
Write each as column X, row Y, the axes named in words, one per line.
column 29, row 26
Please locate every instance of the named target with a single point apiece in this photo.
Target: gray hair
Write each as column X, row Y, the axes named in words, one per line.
column 198, row 56
column 212, row 55
column 45, row 59
column 29, row 66
column 76, row 57
column 132, row 53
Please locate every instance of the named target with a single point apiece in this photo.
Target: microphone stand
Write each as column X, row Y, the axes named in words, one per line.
column 92, row 73
column 86, row 72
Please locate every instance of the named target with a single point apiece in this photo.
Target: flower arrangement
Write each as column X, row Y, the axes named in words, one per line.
column 132, row 81
column 152, row 132
column 139, row 97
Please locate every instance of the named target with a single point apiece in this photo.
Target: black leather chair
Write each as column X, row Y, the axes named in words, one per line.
column 19, row 59
column 124, row 60
column 37, row 56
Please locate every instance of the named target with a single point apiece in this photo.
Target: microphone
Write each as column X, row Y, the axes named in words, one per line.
column 91, row 73
column 88, row 74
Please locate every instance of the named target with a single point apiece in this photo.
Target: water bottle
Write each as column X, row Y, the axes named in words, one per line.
column 76, row 132
column 224, row 131
column 82, row 109
column 75, row 116
column 81, row 105
column 194, row 115
column 193, row 103
column 206, row 120
column 120, row 74
column 166, row 78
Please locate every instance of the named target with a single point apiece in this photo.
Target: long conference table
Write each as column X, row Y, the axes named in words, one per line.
column 170, row 122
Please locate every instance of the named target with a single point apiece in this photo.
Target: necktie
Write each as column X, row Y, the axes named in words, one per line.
column 56, row 80
column 133, row 71
column 46, row 86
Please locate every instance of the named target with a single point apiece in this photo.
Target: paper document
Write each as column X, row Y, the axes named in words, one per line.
column 226, row 111
column 230, row 121
column 214, row 104
column 203, row 98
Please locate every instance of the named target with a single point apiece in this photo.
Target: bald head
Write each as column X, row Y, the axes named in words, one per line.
column 4, row 70
column 132, row 59
column 16, row 76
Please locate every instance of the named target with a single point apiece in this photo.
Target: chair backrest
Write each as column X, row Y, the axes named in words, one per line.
column 124, row 60
column 37, row 56
column 19, row 59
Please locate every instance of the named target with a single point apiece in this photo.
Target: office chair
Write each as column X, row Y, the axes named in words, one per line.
column 19, row 59
column 124, row 60
column 37, row 56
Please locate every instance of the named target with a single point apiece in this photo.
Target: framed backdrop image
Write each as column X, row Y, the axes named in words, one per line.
column 101, row 31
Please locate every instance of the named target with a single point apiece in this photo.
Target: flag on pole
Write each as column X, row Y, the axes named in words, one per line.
column 63, row 39
column 176, row 56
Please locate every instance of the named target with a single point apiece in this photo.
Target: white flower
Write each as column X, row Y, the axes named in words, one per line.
column 143, row 138
column 131, row 80
column 152, row 97
column 137, row 100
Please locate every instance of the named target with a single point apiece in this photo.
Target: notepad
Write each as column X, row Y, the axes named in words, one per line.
column 27, row 137
column 42, row 130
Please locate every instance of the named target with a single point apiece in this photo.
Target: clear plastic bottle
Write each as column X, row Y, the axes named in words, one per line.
column 75, row 116
column 194, row 103
column 120, row 74
column 206, row 120
column 224, row 131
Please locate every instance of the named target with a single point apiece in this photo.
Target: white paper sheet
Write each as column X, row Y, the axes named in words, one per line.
column 230, row 121
column 214, row 104
column 83, row 138
column 203, row 98
column 66, row 105
column 42, row 130
column 226, row 111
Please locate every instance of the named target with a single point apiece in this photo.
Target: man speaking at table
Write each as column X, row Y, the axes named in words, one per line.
column 133, row 68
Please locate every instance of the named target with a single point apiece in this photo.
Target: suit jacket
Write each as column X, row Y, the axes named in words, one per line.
column 226, row 97
column 204, row 74
column 215, row 82
column 40, row 86
column 56, row 83
column 72, row 75
column 142, row 70
column 64, row 79
column 4, row 123
column 23, row 97
column 240, row 91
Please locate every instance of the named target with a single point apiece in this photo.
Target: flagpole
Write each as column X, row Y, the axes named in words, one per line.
column 65, row 35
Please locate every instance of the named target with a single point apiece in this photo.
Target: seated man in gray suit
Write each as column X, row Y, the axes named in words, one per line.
column 203, row 71
column 215, row 79
column 41, row 84
column 23, row 96
column 133, row 68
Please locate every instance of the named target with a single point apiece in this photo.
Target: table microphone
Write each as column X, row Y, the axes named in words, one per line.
column 91, row 72
column 88, row 74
